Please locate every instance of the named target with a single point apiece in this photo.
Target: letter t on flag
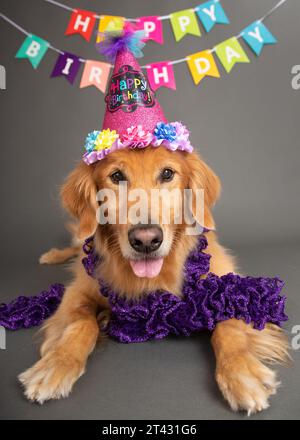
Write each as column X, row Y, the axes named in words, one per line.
column 95, row 74
column 202, row 64
column 81, row 22
column 161, row 74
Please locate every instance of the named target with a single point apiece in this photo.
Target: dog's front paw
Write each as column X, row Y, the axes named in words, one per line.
column 52, row 377
column 246, row 383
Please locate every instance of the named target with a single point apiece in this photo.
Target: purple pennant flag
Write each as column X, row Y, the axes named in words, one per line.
column 66, row 65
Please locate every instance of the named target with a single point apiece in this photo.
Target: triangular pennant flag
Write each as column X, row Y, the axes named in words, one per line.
column 257, row 35
column 231, row 52
column 33, row 48
column 152, row 27
column 95, row 73
column 66, row 65
column 202, row 64
column 81, row 22
column 184, row 22
column 161, row 74
column 211, row 13
column 109, row 23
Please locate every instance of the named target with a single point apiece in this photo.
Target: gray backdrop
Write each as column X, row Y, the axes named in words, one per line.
column 245, row 125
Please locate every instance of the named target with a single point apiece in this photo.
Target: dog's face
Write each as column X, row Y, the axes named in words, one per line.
column 146, row 237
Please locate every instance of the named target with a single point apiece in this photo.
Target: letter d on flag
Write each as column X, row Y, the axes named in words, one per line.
column 33, row 48
column 202, row 64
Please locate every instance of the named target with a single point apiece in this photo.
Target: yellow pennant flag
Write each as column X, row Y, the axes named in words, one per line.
column 202, row 64
column 109, row 23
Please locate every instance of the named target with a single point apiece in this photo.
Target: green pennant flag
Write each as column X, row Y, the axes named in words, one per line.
column 33, row 48
column 231, row 52
column 184, row 22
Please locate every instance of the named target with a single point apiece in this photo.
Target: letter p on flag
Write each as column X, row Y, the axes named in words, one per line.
column 152, row 27
column 81, row 22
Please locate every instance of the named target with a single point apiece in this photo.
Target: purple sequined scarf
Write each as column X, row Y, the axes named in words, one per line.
column 204, row 302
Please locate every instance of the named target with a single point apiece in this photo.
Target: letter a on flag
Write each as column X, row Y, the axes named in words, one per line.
column 231, row 52
column 33, row 48
column 81, row 22
column 109, row 23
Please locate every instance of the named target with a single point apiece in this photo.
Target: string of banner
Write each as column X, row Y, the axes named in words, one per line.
column 201, row 64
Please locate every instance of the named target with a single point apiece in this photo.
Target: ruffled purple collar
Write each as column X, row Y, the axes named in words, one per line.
column 204, row 301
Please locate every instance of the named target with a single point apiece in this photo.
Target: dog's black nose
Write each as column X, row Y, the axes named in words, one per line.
column 145, row 238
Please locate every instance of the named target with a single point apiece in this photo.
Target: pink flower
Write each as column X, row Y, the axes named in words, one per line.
column 136, row 137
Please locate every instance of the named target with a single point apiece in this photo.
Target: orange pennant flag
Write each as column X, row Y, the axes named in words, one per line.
column 95, row 73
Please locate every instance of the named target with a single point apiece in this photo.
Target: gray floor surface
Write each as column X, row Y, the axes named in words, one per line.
column 170, row 379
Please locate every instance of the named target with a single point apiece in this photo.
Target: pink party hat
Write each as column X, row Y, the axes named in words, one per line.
column 133, row 116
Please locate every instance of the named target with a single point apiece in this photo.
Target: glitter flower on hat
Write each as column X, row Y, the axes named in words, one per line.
column 90, row 140
column 173, row 136
column 165, row 132
column 105, row 139
column 136, row 137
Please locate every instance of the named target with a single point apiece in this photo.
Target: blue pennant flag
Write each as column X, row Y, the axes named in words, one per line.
column 211, row 13
column 257, row 35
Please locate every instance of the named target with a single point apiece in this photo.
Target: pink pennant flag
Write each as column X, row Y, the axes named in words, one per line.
column 152, row 27
column 161, row 74
column 95, row 73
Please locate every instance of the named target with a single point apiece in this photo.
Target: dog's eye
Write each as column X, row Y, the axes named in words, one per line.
column 166, row 175
column 117, row 177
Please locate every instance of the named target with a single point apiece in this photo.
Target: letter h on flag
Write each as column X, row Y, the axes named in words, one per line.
column 81, row 22
column 161, row 74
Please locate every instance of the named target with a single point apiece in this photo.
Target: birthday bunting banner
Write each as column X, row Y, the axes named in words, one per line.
column 183, row 22
column 160, row 74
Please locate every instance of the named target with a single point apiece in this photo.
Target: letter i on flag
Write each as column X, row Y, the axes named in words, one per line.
column 81, row 22
column 161, row 74
column 202, row 64
column 33, row 48
column 231, row 52
column 184, row 22
column 211, row 13
column 95, row 73
column 109, row 23
column 67, row 65
column 257, row 35
column 152, row 27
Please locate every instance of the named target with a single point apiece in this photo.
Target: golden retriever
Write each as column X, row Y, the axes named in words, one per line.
column 71, row 333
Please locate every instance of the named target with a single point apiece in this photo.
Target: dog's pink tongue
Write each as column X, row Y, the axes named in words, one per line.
column 147, row 268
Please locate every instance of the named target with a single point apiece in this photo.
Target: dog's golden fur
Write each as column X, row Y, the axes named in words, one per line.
column 71, row 334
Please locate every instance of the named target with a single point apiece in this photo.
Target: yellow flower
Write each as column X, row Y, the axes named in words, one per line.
column 105, row 139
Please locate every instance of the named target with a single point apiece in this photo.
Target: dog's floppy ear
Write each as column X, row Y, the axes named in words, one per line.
column 78, row 195
column 202, row 176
